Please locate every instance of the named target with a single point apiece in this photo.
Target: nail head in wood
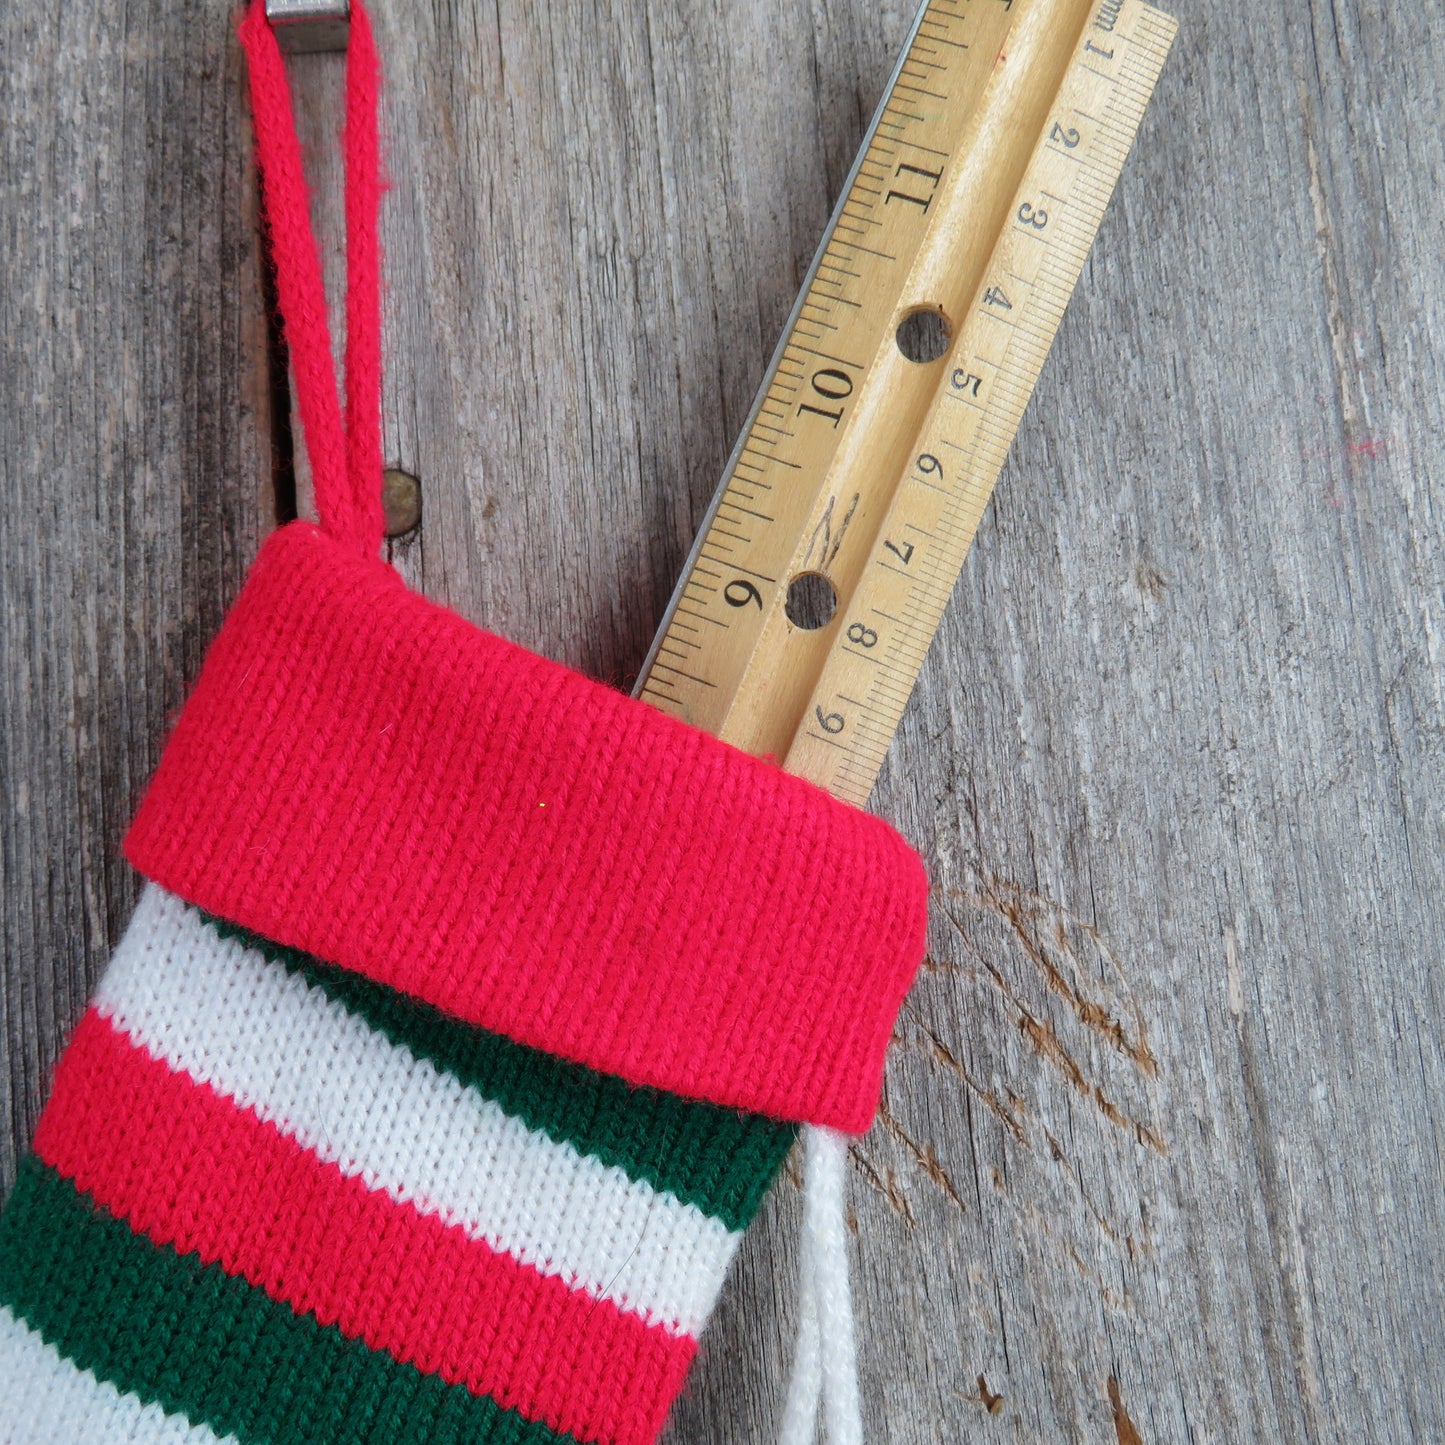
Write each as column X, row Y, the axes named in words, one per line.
column 400, row 502
column 305, row 26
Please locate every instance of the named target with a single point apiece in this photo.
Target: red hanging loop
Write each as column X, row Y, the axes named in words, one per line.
column 345, row 462
column 363, row 278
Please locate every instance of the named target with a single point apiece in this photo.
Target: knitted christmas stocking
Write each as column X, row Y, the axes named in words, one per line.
column 466, row 1016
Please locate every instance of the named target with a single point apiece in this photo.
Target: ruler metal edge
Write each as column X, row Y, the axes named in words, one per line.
column 769, row 371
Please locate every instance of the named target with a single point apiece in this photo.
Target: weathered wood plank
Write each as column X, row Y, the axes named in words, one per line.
column 1160, row 1149
column 135, row 453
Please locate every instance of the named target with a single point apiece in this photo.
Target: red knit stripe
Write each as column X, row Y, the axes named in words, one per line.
column 365, row 776
column 186, row 1167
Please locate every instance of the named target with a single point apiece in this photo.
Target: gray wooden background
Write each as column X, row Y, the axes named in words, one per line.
column 1160, row 1158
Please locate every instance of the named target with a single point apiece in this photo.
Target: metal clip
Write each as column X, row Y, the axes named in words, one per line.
column 304, row 26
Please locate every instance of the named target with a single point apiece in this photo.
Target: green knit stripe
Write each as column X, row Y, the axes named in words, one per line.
column 719, row 1159
column 203, row 1343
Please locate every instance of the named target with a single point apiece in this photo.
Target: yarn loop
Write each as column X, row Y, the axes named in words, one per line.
column 345, row 461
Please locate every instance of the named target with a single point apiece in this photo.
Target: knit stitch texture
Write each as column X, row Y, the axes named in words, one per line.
column 468, row 1013
column 443, row 1118
column 249, row 1150
column 367, row 777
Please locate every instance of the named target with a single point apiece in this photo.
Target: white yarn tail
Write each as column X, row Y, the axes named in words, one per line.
column 826, row 1360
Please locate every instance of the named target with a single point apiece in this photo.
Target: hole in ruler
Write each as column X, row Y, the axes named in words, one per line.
column 811, row 601
column 922, row 335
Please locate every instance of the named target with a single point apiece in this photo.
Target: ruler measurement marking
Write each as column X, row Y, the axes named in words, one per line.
column 769, row 457
column 869, row 250
column 919, row 90
column 919, row 146
column 678, row 672
column 971, row 404
column 738, row 507
column 762, row 577
column 701, row 616
column 904, row 596
column 932, row 486
column 944, row 40
column 839, row 300
column 828, row 356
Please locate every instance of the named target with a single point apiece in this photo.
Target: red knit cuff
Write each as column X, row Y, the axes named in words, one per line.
column 366, row 776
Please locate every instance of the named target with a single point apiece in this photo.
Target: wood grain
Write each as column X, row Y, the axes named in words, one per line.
column 1160, row 1157
column 135, row 453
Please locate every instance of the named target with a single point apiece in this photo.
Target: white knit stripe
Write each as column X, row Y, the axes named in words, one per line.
column 45, row 1399
column 222, row 1013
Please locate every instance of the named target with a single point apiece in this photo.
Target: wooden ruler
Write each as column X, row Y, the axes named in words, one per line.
column 843, row 518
